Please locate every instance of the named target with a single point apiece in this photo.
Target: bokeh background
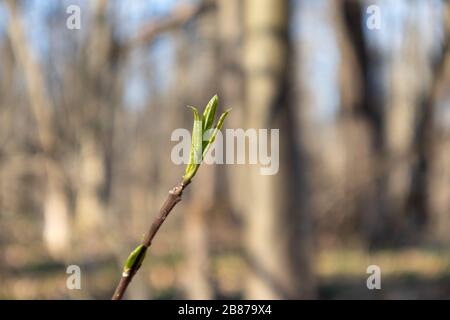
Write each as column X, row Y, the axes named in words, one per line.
column 86, row 118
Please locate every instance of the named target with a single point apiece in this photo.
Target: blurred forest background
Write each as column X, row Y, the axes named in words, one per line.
column 86, row 118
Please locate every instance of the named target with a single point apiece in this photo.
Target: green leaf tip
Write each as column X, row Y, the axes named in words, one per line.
column 138, row 253
column 209, row 113
column 195, row 154
column 218, row 127
column 202, row 127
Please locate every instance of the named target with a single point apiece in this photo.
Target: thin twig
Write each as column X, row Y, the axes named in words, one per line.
column 202, row 124
column 173, row 198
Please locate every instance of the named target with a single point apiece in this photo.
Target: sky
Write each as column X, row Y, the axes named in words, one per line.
column 310, row 24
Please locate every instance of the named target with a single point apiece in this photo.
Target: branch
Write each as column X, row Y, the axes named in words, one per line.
column 181, row 15
column 129, row 271
column 202, row 126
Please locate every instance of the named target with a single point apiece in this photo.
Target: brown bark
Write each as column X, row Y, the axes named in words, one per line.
column 172, row 199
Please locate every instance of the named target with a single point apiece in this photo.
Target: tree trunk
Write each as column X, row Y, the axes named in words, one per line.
column 400, row 122
column 89, row 211
column 437, row 145
column 56, row 213
column 276, row 236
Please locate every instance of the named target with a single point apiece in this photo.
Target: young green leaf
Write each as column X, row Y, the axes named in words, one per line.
column 216, row 130
column 137, row 253
column 209, row 113
column 196, row 150
column 203, row 130
column 195, row 156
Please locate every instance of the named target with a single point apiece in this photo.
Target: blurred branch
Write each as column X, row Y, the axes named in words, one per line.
column 180, row 15
column 35, row 84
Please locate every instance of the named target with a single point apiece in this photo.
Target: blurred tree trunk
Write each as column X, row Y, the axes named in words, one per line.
column 276, row 233
column 97, row 104
column 56, row 212
column 394, row 111
column 367, row 107
column 89, row 210
column 230, row 19
column 400, row 122
column 436, row 144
